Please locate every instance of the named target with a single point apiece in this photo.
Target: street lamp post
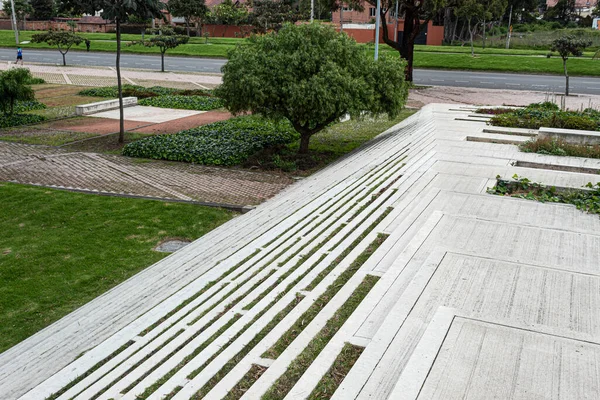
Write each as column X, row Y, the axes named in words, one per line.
column 312, row 10
column 377, row 22
column 14, row 21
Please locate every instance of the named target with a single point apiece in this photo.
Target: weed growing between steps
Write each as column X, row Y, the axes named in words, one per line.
column 89, row 371
column 196, row 295
column 245, row 350
column 290, row 335
column 152, row 388
column 557, row 147
column 284, row 384
column 585, row 200
column 336, row 374
column 246, row 382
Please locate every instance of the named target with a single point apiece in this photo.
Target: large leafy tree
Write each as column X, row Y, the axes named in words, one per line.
column 566, row 46
column 43, row 10
column 14, row 86
column 62, row 40
column 22, row 9
column 311, row 75
column 417, row 14
column 164, row 38
column 228, row 13
column 192, row 11
column 270, row 15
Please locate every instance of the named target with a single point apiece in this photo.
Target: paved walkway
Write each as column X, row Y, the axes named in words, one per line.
column 469, row 295
column 106, row 76
column 91, row 172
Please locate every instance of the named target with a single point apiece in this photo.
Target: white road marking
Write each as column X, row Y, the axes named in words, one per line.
column 461, row 81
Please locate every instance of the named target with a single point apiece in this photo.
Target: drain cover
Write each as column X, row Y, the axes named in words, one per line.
column 171, row 246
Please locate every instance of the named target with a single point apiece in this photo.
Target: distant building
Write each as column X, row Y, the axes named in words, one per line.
column 582, row 7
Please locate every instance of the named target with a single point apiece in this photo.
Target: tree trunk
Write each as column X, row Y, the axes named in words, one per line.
column 119, row 86
column 342, row 17
column 64, row 59
column 407, row 48
column 483, row 37
column 162, row 61
column 454, row 31
column 304, row 140
column 471, row 37
column 566, row 77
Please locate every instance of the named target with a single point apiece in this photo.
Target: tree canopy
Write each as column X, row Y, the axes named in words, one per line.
column 311, row 75
column 14, row 86
column 164, row 38
column 192, row 11
column 22, row 9
column 269, row 15
column 42, row 9
column 227, row 13
column 566, row 46
column 63, row 40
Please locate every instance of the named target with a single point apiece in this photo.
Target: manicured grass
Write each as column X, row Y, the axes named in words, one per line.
column 336, row 374
column 46, row 137
column 60, row 250
column 325, row 147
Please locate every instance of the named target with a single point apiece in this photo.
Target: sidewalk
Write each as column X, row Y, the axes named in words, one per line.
column 104, row 76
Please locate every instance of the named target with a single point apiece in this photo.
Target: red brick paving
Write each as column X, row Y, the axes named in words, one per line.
column 100, row 126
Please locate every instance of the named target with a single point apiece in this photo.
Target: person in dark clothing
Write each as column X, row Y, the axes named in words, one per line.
column 19, row 56
column 87, row 44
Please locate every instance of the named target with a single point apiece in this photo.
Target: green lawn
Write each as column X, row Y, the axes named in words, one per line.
column 59, row 250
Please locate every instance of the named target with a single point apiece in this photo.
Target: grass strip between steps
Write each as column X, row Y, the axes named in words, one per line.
column 290, row 335
column 89, row 371
column 246, row 349
column 298, row 367
column 336, row 374
column 244, row 384
column 197, row 294
column 152, row 388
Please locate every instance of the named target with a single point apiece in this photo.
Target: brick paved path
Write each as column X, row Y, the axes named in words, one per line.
column 93, row 172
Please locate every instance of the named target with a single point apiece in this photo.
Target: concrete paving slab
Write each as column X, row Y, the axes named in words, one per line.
column 147, row 114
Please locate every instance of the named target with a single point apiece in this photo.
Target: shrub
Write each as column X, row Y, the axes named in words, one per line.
column 560, row 148
column 22, row 106
column 142, row 92
column 36, row 81
column 199, row 103
column 221, row 143
column 495, row 111
column 6, row 121
column 547, row 114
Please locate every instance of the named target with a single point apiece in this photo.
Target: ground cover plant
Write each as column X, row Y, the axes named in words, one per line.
column 221, row 143
column 50, row 258
column 130, row 90
column 198, row 103
column 548, row 115
column 587, row 199
column 559, row 147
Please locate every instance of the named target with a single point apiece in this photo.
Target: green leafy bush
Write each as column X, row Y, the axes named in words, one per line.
column 585, row 200
column 198, row 103
column 559, row 148
column 221, row 143
column 142, row 92
column 36, row 81
column 23, row 106
column 547, row 114
column 6, row 121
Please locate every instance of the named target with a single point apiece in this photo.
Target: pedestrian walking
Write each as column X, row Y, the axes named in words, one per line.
column 87, row 44
column 19, row 56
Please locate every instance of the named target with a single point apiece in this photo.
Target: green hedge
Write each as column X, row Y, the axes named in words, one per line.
column 198, row 103
column 22, row 106
column 6, row 121
column 141, row 92
column 548, row 115
column 228, row 142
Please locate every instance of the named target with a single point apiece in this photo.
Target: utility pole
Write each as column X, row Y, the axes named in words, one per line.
column 14, row 21
column 377, row 22
column 396, row 30
column 509, row 28
column 312, row 10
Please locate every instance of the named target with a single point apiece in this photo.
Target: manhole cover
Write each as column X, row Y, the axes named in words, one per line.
column 171, row 246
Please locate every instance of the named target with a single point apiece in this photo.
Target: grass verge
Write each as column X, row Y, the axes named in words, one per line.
column 336, row 374
column 284, row 384
column 61, row 249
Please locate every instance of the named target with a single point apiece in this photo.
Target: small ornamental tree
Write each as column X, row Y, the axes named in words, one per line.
column 14, row 86
column 62, row 40
column 165, row 38
column 566, row 46
column 192, row 11
column 311, row 75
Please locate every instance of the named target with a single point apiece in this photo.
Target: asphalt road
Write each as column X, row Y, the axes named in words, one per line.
column 489, row 80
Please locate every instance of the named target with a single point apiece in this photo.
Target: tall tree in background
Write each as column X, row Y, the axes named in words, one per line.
column 417, row 14
column 192, row 11
column 472, row 11
column 119, row 11
column 492, row 10
column 227, row 13
column 270, row 15
column 22, row 9
column 43, row 10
